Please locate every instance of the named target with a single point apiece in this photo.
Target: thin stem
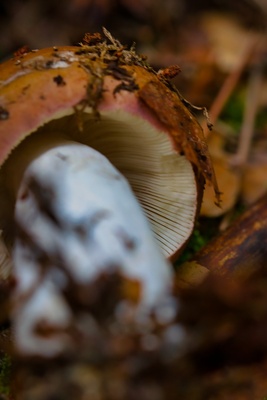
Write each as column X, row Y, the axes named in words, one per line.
column 229, row 85
column 250, row 114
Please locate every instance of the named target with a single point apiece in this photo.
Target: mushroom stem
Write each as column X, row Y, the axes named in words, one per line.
column 77, row 218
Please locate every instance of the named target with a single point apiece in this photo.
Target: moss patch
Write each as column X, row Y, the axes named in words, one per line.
column 5, row 369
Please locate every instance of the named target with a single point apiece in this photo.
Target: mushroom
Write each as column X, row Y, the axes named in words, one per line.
column 75, row 124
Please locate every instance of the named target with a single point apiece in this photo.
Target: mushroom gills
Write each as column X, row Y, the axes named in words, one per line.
column 163, row 181
column 77, row 218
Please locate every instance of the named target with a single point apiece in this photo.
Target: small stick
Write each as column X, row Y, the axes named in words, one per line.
column 229, row 86
column 247, row 130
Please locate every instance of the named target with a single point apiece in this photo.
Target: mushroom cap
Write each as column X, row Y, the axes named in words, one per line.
column 107, row 97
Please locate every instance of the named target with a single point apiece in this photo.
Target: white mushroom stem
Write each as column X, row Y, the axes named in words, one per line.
column 75, row 210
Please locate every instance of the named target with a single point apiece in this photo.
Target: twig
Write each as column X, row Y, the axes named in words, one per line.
column 229, row 85
column 251, row 108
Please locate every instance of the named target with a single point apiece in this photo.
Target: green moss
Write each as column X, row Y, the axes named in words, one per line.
column 233, row 111
column 5, row 368
column 261, row 123
column 205, row 230
column 196, row 242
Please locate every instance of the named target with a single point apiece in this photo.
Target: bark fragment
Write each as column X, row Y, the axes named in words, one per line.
column 238, row 251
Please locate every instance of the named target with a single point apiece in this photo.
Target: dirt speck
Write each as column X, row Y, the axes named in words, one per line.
column 59, row 80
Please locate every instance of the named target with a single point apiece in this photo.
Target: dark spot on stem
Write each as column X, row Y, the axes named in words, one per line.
column 85, row 228
column 46, row 329
column 44, row 195
column 62, row 157
column 24, row 195
column 99, row 216
column 129, row 242
column 81, row 231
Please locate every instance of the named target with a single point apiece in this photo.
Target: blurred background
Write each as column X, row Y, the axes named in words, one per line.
column 151, row 23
